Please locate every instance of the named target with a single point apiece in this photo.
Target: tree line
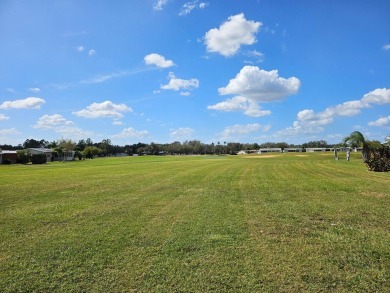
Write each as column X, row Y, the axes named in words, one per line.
column 89, row 149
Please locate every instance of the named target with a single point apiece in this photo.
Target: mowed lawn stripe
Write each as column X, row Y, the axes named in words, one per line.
column 197, row 223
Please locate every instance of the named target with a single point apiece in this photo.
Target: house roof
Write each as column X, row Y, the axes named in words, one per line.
column 7, row 152
column 42, row 150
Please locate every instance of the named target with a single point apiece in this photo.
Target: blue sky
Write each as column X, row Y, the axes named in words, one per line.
column 169, row 70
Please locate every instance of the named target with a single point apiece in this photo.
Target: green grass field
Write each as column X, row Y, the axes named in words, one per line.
column 282, row 223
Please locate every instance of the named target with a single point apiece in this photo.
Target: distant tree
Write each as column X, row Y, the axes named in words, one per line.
column 356, row 139
column 89, row 142
column 315, row 144
column 105, row 146
column 91, row 151
column 65, row 146
column 81, row 145
column 52, row 145
column 374, row 144
column 32, row 143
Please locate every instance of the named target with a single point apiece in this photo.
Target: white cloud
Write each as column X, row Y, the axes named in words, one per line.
column 3, row 117
column 256, row 55
column 158, row 60
column 177, row 84
column 104, row 77
column 104, row 109
column 91, row 52
column 80, row 48
column 203, row 5
column 185, row 94
column 386, row 47
column 239, row 103
column 160, row 4
column 34, row 89
column 28, row 103
column 182, row 133
column 231, row 35
column 60, row 125
column 383, row 121
column 253, row 85
column 189, row 6
column 10, row 131
column 237, row 131
column 117, row 122
column 377, row 96
column 131, row 132
column 310, row 122
column 260, row 85
column 52, row 121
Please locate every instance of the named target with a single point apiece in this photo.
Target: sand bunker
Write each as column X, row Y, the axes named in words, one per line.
column 301, row 155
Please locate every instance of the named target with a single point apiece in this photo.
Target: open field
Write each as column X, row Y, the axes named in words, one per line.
column 204, row 223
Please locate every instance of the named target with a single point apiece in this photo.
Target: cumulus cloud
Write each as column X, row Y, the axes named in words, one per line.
column 236, row 131
column 159, row 5
column 52, row 121
column 260, row 85
column 131, row 132
column 3, row 117
column 28, row 103
column 239, row 103
column 91, row 52
column 378, row 97
column 104, row 109
column 80, row 48
column 60, row 125
column 158, row 60
column 231, row 35
column 309, row 121
column 383, row 121
column 177, row 84
column 181, row 133
column 189, row 6
column 253, row 85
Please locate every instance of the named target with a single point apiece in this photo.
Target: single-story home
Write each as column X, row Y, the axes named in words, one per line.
column 50, row 154
column 292, row 150
column 10, row 156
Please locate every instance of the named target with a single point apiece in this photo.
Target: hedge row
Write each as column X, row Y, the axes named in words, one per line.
column 378, row 159
column 25, row 158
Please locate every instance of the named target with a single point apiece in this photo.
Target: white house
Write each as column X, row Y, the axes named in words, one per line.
column 38, row 151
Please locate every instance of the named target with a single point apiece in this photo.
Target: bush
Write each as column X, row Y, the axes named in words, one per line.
column 7, row 162
column 23, row 157
column 378, row 159
column 38, row 159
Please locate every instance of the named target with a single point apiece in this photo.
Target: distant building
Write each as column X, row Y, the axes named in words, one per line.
column 50, row 154
column 8, row 156
column 292, row 150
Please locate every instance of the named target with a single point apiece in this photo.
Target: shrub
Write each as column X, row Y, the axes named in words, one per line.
column 24, row 157
column 38, row 159
column 7, row 162
column 378, row 159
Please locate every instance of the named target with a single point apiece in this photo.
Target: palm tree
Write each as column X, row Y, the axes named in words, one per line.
column 356, row 139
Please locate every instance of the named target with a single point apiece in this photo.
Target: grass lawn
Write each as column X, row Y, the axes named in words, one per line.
column 282, row 223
